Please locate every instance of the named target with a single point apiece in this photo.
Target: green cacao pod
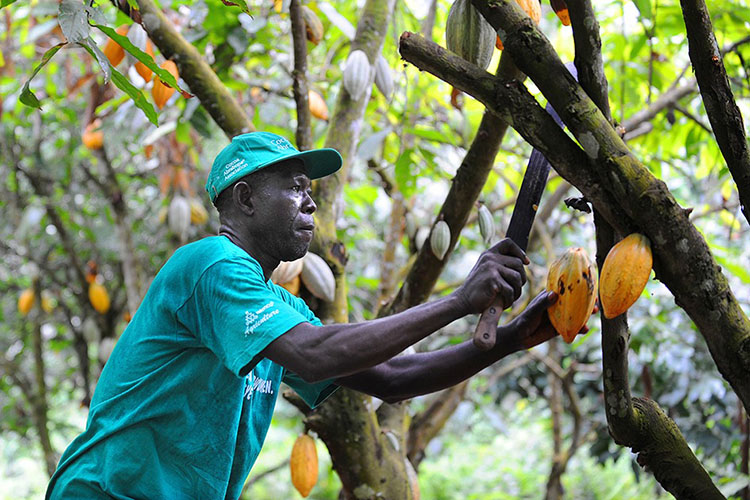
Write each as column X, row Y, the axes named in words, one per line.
column 440, row 239
column 468, row 34
column 486, row 223
column 178, row 216
column 383, row 77
column 318, row 277
column 357, row 74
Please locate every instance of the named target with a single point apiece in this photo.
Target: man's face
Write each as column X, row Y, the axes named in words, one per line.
column 283, row 220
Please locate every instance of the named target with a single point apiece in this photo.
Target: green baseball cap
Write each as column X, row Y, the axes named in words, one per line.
column 248, row 153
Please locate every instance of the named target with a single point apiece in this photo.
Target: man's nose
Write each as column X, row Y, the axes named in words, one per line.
column 308, row 204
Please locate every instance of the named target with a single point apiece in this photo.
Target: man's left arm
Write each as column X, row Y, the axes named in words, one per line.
column 407, row 376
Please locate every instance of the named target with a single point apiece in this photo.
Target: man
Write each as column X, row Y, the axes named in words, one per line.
column 185, row 400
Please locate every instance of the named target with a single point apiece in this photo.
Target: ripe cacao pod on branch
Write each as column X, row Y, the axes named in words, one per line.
column 573, row 277
column 318, row 277
column 318, row 107
column 26, row 301
column 160, row 91
column 98, row 297
column 625, row 273
column 93, row 137
column 468, row 34
column 113, row 50
column 303, row 464
column 561, row 9
column 486, row 223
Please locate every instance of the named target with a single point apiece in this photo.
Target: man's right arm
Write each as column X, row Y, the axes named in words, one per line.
column 323, row 352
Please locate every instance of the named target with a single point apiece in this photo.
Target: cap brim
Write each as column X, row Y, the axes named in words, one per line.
column 319, row 162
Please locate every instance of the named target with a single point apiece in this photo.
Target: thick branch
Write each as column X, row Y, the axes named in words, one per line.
column 723, row 113
column 682, row 257
column 196, row 72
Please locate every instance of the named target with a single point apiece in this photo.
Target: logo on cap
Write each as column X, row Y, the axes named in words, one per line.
column 234, row 166
column 281, row 144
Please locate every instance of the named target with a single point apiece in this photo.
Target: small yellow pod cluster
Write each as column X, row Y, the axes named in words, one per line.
column 573, row 277
column 625, row 273
column 303, row 464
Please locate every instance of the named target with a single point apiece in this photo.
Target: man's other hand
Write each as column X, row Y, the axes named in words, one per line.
column 499, row 272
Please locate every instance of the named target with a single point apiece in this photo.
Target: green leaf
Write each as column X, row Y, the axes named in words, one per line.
column 429, row 134
column 74, row 21
column 644, row 6
column 100, row 58
column 164, row 75
column 27, row 96
column 242, row 4
column 135, row 93
column 5, row 3
column 133, row 4
column 405, row 179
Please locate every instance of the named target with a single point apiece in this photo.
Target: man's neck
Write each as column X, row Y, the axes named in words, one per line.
column 267, row 263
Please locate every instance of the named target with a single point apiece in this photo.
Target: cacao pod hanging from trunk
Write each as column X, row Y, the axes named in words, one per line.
column 573, row 277
column 357, row 74
column 625, row 273
column 303, row 464
column 440, row 239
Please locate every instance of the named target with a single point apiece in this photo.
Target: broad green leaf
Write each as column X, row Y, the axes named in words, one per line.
column 5, row 3
column 429, row 134
column 404, row 177
column 164, row 75
column 74, row 20
column 100, row 58
column 27, row 96
column 644, row 6
column 139, row 99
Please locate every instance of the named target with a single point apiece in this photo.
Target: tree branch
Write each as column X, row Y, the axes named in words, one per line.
column 723, row 113
column 299, row 77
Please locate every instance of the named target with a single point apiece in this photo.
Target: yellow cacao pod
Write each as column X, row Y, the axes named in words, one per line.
column 93, row 137
column 292, row 286
column 573, row 277
column 304, row 464
column 99, row 297
column 440, row 239
column 113, row 50
column 318, row 107
column 625, row 273
column 313, row 26
column 198, row 213
column 161, row 92
column 26, row 301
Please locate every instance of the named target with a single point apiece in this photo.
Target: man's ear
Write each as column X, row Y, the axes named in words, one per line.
column 242, row 196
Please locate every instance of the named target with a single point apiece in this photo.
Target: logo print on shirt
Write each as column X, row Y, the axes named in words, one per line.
column 260, row 385
column 254, row 319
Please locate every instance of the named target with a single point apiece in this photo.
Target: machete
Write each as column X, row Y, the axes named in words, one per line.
column 527, row 203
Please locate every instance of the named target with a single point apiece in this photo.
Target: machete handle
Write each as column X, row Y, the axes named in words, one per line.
column 486, row 332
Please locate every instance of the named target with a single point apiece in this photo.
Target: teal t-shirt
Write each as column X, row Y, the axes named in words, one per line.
column 184, row 402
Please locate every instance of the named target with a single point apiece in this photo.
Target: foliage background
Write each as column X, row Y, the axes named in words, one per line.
column 498, row 443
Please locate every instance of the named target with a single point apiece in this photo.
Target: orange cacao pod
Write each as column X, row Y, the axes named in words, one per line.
column 160, row 91
column 561, row 9
column 99, row 297
column 625, row 273
column 26, row 301
column 93, row 137
column 292, row 286
column 114, row 52
column 317, row 105
column 573, row 277
column 304, row 464
column 141, row 68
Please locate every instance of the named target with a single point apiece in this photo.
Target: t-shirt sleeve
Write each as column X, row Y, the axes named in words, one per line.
column 236, row 315
column 312, row 394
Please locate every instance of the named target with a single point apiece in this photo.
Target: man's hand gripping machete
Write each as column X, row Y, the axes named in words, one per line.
column 527, row 203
